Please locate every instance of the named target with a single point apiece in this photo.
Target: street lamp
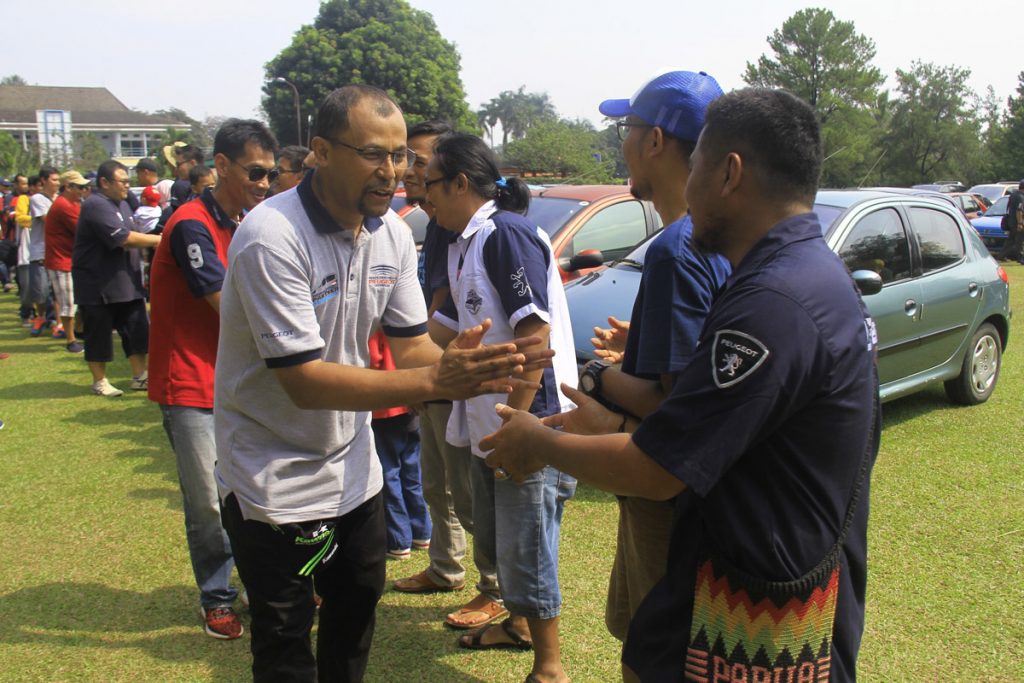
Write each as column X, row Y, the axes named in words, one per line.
column 298, row 111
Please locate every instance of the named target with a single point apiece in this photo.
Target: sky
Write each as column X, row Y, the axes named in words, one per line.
column 207, row 57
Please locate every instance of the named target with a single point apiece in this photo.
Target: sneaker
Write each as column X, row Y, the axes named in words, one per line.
column 221, row 622
column 1, row 424
column 399, row 554
column 26, row 322
column 140, row 383
column 8, row 287
column 105, row 388
column 59, row 333
column 421, row 544
column 75, row 347
column 37, row 327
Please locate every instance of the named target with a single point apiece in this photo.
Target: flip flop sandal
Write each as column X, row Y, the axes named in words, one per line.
column 475, row 638
column 422, row 583
column 489, row 611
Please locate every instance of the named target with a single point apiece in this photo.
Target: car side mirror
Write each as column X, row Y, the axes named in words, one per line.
column 588, row 258
column 868, row 282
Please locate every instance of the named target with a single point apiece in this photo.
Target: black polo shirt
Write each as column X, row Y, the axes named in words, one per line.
column 104, row 272
column 768, row 426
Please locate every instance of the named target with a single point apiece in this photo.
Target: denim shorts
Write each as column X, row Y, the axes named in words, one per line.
column 523, row 523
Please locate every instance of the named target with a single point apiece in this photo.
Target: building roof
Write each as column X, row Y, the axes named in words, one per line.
column 18, row 104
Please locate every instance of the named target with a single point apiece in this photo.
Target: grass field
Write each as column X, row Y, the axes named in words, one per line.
column 95, row 582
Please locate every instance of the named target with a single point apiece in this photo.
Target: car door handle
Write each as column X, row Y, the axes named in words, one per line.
column 972, row 289
column 910, row 307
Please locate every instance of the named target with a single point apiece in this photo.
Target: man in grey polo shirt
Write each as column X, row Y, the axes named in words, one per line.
column 313, row 273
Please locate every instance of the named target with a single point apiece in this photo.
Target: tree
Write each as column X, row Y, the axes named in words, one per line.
column 16, row 159
column 568, row 149
column 13, row 79
column 934, row 129
column 1006, row 147
column 516, row 111
column 825, row 62
column 88, row 152
column 385, row 43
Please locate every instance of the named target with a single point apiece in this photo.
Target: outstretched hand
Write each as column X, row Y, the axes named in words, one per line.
column 469, row 368
column 508, row 445
column 610, row 343
column 588, row 417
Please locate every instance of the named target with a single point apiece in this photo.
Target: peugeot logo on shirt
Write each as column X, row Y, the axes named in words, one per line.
column 734, row 356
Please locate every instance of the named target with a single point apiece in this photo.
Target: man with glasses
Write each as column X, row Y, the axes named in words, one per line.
column 187, row 276
column 658, row 127
column 107, row 274
column 60, row 225
column 290, row 168
column 313, row 273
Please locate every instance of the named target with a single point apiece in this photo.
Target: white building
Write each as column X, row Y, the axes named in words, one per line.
column 52, row 116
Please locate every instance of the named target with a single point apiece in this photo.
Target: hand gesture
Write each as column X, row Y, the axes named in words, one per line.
column 589, row 416
column 469, row 369
column 509, row 455
column 610, row 343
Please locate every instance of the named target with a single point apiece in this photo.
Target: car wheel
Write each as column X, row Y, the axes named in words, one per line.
column 980, row 369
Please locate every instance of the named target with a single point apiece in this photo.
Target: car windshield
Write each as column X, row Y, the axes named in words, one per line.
column 989, row 192
column 999, row 208
column 551, row 213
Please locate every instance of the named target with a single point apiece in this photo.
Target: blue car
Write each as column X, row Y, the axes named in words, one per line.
column 987, row 225
column 939, row 299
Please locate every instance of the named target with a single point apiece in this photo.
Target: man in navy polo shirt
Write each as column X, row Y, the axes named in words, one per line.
column 106, row 268
column 768, row 437
column 659, row 127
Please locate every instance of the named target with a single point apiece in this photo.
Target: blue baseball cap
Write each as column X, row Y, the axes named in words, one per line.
column 674, row 101
column 5, row 182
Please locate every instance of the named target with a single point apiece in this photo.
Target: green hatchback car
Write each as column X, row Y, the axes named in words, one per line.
column 939, row 299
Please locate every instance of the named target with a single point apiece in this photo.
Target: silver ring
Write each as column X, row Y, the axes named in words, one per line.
column 500, row 473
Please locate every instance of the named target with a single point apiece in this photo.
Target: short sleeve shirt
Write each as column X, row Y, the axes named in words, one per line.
column 677, row 287
column 39, row 206
column 435, row 259
column 768, row 426
column 298, row 289
column 60, row 233
column 104, row 271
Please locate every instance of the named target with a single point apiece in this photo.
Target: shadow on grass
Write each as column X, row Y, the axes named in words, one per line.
column 396, row 656
column 909, row 407
column 42, row 391
column 95, row 616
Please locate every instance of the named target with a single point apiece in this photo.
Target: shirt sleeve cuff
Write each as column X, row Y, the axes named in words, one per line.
column 446, row 321
column 294, row 359
column 526, row 311
column 414, row 331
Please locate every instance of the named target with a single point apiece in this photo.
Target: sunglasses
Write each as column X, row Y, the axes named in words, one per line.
column 258, row 173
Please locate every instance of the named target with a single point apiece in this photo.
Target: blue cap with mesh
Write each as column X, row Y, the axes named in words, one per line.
column 674, row 101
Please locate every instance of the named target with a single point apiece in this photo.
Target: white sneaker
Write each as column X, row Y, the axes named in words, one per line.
column 105, row 388
column 140, row 383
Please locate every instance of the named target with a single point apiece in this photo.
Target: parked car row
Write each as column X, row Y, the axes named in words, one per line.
column 940, row 301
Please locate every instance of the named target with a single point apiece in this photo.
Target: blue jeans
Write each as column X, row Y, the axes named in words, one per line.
column 398, row 449
column 190, row 431
column 520, row 525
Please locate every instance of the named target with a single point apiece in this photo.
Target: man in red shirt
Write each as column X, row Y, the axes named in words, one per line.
column 59, row 229
column 187, row 274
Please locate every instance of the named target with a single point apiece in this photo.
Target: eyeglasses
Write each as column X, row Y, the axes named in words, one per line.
column 428, row 183
column 258, row 173
column 622, row 128
column 377, row 156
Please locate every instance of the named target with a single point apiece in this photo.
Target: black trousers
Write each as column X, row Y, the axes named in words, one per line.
column 278, row 565
column 1012, row 248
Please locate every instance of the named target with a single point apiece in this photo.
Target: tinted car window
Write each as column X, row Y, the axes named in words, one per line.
column 999, row 208
column 551, row 213
column 938, row 236
column 878, row 242
column 613, row 231
column 827, row 215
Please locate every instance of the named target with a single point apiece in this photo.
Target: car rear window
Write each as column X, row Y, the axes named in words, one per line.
column 938, row 236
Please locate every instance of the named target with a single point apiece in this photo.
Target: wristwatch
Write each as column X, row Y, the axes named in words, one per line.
column 590, row 378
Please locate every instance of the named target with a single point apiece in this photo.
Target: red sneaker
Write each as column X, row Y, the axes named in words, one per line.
column 222, row 623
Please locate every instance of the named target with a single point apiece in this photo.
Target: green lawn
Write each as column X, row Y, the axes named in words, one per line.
column 95, row 582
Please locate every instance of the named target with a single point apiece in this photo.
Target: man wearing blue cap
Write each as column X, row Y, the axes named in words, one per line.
column 659, row 127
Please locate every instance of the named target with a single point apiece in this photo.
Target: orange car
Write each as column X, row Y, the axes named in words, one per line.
column 590, row 225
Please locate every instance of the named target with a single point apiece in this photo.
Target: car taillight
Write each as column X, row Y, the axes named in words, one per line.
column 1002, row 275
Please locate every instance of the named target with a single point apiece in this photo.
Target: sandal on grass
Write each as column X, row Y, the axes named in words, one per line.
column 478, row 612
column 474, row 640
column 422, row 583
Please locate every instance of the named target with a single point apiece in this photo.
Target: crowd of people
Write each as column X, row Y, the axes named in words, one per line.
column 334, row 400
